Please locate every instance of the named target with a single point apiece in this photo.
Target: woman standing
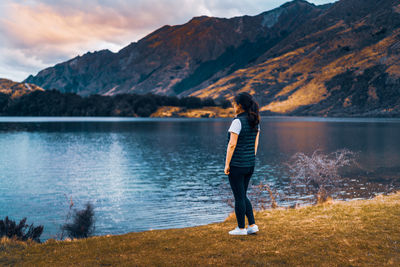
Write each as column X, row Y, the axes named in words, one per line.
column 242, row 144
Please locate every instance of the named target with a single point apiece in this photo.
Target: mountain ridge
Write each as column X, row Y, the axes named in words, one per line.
column 200, row 40
column 346, row 67
column 298, row 58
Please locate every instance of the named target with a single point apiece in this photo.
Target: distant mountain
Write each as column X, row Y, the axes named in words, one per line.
column 344, row 62
column 15, row 89
column 173, row 59
column 337, row 59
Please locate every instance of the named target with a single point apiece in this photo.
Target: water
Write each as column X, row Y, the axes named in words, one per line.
column 154, row 173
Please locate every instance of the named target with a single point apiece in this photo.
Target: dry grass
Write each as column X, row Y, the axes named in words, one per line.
column 353, row 233
column 211, row 112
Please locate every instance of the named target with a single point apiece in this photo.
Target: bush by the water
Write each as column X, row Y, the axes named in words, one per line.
column 83, row 224
column 11, row 229
column 55, row 103
column 318, row 174
column 261, row 195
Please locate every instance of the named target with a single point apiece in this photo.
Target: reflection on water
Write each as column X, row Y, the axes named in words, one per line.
column 145, row 174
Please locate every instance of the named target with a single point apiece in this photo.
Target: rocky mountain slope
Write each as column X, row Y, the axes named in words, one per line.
column 344, row 62
column 337, row 59
column 173, row 59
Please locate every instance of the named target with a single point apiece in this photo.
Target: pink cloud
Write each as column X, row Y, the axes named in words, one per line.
column 31, row 26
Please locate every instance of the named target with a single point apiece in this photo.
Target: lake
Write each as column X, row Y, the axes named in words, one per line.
column 154, row 173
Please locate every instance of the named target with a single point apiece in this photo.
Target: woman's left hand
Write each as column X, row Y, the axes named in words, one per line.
column 226, row 170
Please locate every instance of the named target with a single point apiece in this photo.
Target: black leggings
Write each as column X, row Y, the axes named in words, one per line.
column 239, row 178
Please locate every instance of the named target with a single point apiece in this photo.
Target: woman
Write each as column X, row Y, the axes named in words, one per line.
column 240, row 158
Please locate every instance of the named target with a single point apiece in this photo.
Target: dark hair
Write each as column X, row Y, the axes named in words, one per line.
column 250, row 106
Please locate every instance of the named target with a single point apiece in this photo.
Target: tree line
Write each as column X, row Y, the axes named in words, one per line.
column 55, row 103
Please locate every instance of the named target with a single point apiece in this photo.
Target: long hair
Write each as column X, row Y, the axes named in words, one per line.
column 250, row 106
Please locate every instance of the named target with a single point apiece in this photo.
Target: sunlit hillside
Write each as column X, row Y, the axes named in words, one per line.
column 351, row 66
column 16, row 89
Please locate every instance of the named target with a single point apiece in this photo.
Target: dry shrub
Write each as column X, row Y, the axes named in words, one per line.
column 83, row 223
column 10, row 229
column 263, row 196
column 225, row 192
column 318, row 174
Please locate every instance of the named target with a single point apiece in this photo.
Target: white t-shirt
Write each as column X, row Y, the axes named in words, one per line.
column 236, row 126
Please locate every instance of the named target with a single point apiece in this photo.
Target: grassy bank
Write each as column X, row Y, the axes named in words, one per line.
column 205, row 112
column 353, row 233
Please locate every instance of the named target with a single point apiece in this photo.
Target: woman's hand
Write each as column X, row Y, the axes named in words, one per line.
column 226, row 169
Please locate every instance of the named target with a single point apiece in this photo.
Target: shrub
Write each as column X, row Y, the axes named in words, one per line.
column 263, row 196
column 225, row 192
column 83, row 223
column 12, row 230
column 319, row 173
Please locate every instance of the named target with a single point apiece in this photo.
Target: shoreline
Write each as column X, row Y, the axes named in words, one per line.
column 122, row 119
column 219, row 112
column 355, row 232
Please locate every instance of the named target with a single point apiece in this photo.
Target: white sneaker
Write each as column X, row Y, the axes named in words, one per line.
column 238, row 231
column 252, row 229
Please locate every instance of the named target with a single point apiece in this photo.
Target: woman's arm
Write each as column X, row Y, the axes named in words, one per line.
column 229, row 150
column 256, row 144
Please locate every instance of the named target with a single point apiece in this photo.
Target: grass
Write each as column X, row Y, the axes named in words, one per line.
column 212, row 112
column 338, row 233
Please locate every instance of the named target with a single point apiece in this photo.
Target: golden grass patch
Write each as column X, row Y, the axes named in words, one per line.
column 351, row 233
column 211, row 112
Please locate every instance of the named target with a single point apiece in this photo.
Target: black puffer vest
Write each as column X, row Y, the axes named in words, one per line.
column 243, row 156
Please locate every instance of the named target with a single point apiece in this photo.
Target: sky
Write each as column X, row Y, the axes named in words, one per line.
column 36, row 34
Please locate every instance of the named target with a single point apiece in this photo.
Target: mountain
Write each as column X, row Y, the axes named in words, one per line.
column 344, row 62
column 336, row 59
column 173, row 59
column 15, row 89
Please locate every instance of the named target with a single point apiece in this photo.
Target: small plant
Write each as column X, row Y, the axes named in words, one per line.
column 67, row 217
column 10, row 229
column 261, row 201
column 226, row 194
column 262, row 196
column 83, row 223
column 319, row 173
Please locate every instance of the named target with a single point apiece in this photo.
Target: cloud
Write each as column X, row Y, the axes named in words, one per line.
column 14, row 63
column 50, row 33
column 40, row 33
